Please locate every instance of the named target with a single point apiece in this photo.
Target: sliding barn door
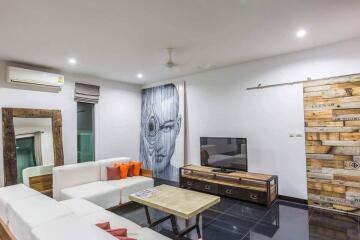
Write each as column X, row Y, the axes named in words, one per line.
column 332, row 123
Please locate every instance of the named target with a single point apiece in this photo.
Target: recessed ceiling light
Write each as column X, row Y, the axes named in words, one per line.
column 72, row 61
column 301, row 33
column 140, row 75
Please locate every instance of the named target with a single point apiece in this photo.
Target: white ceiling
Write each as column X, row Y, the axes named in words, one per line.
column 116, row 39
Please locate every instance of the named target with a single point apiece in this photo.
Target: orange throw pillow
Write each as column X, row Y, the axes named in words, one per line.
column 124, row 168
column 137, row 167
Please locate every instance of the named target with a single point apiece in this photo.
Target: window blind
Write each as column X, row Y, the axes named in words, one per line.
column 86, row 93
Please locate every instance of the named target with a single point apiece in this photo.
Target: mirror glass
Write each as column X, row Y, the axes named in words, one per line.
column 34, row 146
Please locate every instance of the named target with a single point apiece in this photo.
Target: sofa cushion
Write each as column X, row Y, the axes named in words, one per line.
column 124, row 169
column 116, row 221
column 131, row 170
column 70, row 228
column 11, row 194
column 24, row 215
column 131, row 185
column 109, row 163
column 73, row 175
column 81, row 207
column 149, row 234
column 117, row 232
column 101, row 194
column 113, row 173
column 103, row 226
column 137, row 167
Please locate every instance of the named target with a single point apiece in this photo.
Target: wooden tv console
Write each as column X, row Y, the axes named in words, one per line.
column 253, row 187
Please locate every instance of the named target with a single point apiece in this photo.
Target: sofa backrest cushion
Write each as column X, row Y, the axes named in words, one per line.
column 109, row 163
column 70, row 228
column 11, row 194
column 74, row 175
column 81, row 207
column 32, row 212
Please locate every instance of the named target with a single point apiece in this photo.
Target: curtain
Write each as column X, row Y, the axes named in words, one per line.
column 37, row 149
column 86, row 93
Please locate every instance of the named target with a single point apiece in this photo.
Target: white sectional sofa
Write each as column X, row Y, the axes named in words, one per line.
column 89, row 181
column 29, row 215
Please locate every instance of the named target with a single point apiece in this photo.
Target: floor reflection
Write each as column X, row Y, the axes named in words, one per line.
column 236, row 220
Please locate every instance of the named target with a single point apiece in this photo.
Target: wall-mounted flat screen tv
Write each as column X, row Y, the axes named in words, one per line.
column 224, row 153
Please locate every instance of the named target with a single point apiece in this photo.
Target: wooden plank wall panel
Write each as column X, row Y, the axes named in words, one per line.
column 332, row 136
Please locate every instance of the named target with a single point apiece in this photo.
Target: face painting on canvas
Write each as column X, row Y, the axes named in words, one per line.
column 160, row 126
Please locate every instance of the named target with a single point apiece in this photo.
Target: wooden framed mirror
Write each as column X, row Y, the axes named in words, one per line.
column 26, row 119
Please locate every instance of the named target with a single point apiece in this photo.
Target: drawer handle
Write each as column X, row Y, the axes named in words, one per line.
column 189, row 183
column 228, row 191
column 207, row 187
column 253, row 196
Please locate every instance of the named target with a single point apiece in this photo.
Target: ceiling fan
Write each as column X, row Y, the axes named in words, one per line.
column 170, row 63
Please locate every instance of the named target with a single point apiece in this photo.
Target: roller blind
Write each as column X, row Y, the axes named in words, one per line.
column 86, row 93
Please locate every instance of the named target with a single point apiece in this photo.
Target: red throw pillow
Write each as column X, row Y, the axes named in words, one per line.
column 137, row 167
column 117, row 165
column 113, row 173
column 104, row 225
column 124, row 168
column 125, row 238
column 131, row 170
column 118, row 232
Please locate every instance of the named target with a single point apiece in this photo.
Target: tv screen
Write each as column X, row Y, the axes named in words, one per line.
column 228, row 153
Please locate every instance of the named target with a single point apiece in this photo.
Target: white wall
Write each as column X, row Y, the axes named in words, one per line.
column 218, row 104
column 117, row 115
column 47, row 146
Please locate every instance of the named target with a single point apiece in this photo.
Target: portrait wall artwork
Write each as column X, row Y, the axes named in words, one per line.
column 162, row 130
column 332, row 127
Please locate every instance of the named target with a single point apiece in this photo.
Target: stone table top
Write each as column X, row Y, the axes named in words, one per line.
column 177, row 201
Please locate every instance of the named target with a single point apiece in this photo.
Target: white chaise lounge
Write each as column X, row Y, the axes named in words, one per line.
column 28, row 215
column 89, row 181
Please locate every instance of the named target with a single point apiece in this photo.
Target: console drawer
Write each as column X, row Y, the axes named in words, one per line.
column 254, row 196
column 229, row 191
column 243, row 194
column 191, row 183
column 208, row 187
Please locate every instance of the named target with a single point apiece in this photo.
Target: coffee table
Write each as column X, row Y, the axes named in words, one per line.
column 177, row 202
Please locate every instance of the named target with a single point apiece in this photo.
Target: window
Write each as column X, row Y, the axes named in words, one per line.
column 25, row 155
column 85, row 132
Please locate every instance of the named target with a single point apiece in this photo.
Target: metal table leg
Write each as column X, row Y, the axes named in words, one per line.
column 174, row 224
column 192, row 227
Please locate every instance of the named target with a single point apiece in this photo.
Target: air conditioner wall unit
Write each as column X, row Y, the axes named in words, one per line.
column 20, row 75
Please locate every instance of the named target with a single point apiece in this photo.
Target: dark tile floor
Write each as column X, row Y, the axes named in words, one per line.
column 236, row 220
